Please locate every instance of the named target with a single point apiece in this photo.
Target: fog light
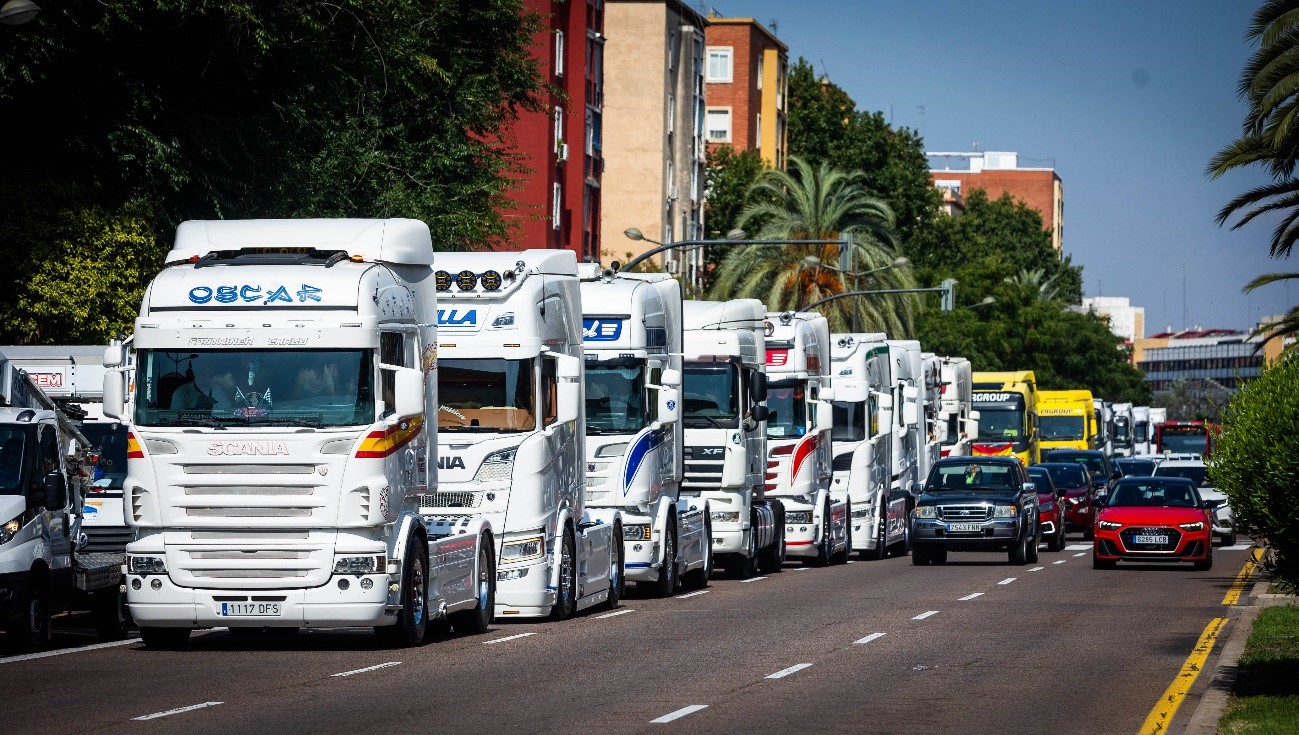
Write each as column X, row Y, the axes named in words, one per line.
column 393, row 588
column 802, row 529
column 509, row 574
column 367, row 583
column 135, row 584
column 156, row 584
column 344, row 584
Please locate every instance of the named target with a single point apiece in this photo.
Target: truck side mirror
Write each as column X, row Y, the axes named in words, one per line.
column 567, row 400
column 669, row 405
column 56, row 491
column 114, row 394
column 910, row 414
column 409, row 391
column 974, row 415
column 825, row 417
column 567, row 366
column 671, row 377
column 114, row 355
column 826, row 394
column 759, row 387
column 761, row 413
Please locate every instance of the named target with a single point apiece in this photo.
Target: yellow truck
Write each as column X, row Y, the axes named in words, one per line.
column 1066, row 419
column 1007, row 406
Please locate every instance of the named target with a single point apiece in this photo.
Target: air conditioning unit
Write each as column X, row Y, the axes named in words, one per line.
column 672, row 191
column 561, row 152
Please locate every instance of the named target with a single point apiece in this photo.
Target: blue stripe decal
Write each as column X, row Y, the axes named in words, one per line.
column 637, row 565
column 647, row 442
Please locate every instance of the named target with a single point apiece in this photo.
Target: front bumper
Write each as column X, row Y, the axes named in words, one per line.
column 524, row 590
column 327, row 606
column 803, row 535
column 999, row 534
column 1191, row 547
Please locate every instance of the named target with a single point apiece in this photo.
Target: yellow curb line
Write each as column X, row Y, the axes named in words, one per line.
column 1159, row 717
column 1238, row 586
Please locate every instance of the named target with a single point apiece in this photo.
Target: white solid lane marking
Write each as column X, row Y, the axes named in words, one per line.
column 1237, row 547
column 755, row 579
column 801, row 569
column 1037, row 569
column 692, row 594
column 507, row 638
column 970, row 596
column 615, row 613
column 376, row 667
column 177, row 711
column 1008, row 580
column 868, row 639
column 679, row 714
column 924, row 615
column 1078, row 547
column 1060, row 561
column 786, row 672
column 47, row 654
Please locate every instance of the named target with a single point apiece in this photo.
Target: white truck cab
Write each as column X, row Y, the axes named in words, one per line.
column 910, row 432
column 632, row 337
column 957, row 415
column 511, row 438
column 800, row 421
column 279, row 405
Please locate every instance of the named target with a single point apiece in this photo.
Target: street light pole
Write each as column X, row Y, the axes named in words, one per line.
column 634, row 234
column 899, row 262
column 948, row 290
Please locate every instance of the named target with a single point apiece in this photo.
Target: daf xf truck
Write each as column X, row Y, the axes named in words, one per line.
column 280, row 445
column 632, row 336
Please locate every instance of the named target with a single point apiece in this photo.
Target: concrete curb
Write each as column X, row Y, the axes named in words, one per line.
column 1213, row 701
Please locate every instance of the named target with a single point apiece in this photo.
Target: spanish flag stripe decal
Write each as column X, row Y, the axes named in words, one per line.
column 380, row 444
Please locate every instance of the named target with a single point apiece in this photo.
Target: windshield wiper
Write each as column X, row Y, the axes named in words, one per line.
column 210, row 423
column 285, row 421
column 709, row 419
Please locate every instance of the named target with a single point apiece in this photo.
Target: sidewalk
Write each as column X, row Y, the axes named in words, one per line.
column 1213, row 700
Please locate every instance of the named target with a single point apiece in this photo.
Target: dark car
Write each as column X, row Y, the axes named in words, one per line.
column 976, row 504
column 1137, row 466
column 1050, row 507
column 1079, row 494
column 1148, row 519
column 1103, row 472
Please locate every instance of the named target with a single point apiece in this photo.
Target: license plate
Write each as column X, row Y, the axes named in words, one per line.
column 249, row 609
column 1149, row 539
column 964, row 527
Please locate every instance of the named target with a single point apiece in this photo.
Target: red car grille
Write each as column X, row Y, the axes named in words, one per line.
column 1130, row 536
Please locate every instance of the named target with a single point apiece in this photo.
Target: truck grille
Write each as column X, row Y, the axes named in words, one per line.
column 249, row 469
column 702, row 475
column 248, row 512
column 842, row 462
column 1130, row 535
column 451, row 500
column 966, row 513
column 107, row 538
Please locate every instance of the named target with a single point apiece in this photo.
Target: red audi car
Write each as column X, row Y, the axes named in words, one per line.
column 1154, row 519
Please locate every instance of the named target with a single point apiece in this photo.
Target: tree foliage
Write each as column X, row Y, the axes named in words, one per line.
column 140, row 114
column 729, row 176
column 1254, row 465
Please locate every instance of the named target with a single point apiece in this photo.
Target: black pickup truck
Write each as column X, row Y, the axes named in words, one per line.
column 976, row 504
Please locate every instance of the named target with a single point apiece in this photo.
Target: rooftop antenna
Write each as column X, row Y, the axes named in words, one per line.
column 774, row 26
column 1185, row 313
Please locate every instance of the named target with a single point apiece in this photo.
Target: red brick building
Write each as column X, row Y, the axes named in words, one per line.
column 557, row 200
column 745, row 73
column 999, row 173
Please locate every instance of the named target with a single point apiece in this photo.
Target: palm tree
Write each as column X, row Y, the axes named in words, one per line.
column 819, row 203
column 1034, row 281
column 1287, row 325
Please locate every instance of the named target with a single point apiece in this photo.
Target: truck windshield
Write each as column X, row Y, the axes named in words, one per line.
column 1121, row 429
column 615, row 398
column 787, row 404
column 108, row 441
column 1140, row 431
column 1057, row 428
column 1183, row 440
column 712, row 396
column 1001, row 423
column 12, row 445
column 255, row 387
column 488, row 395
column 849, row 421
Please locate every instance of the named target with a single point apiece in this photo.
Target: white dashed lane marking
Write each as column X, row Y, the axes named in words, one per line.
column 688, row 595
column 177, row 711
column 669, row 717
column 786, row 672
column 1060, row 561
column 970, row 596
column 376, row 667
column 1037, row 569
column 924, row 615
column 755, row 579
column 614, row 614
column 1082, row 554
column 47, row 654
column 1078, row 547
column 868, row 639
column 516, row 636
column 1008, row 580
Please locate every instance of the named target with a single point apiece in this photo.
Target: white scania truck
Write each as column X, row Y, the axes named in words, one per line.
column 725, row 386
column 800, row 420
column 957, row 414
column 910, row 435
column 863, row 444
column 511, row 443
column 279, row 399
column 632, row 334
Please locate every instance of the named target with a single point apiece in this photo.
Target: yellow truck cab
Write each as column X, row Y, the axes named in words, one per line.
column 1066, row 419
column 1007, row 405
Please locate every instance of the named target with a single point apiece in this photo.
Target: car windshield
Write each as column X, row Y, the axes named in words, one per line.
column 487, row 395
column 1061, row 428
column 971, row 476
column 1000, row 423
column 1197, row 473
column 615, row 398
column 1042, row 478
column 787, row 404
column 1068, row 476
column 1137, row 467
column 255, row 387
column 712, row 396
column 13, row 443
column 1094, row 464
column 108, row 442
column 1153, row 494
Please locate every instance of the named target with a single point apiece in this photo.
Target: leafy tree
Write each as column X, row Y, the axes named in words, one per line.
column 816, row 202
column 1288, row 324
column 1254, row 465
column 1035, row 283
column 151, row 113
column 1193, row 400
column 728, row 178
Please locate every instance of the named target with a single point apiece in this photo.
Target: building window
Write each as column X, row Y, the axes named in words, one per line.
column 718, row 125
column 719, row 64
column 559, row 53
column 672, row 113
column 672, row 51
column 555, row 201
column 757, row 128
column 761, row 59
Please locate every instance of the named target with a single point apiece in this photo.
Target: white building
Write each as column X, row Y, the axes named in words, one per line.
column 1126, row 321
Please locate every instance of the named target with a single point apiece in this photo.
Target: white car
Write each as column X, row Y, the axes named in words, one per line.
column 1224, row 521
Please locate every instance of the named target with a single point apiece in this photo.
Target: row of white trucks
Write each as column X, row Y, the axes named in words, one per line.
column 328, row 426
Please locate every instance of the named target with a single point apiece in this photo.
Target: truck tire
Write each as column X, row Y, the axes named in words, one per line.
column 566, row 596
column 667, row 582
column 164, row 639
column 477, row 620
column 31, row 630
column 841, row 557
column 902, row 546
column 881, row 549
column 108, row 608
column 697, row 579
column 823, row 549
column 617, row 570
column 741, row 566
column 412, row 620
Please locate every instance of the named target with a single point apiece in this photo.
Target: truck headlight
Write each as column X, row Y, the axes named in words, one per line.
column 1005, row 511
column 926, row 511
column 1109, row 525
column 798, row 516
column 523, row 549
column 725, row 516
column 1195, row 526
column 145, row 565
column 498, row 465
column 10, row 529
column 368, row 564
column 861, row 513
column 640, row 531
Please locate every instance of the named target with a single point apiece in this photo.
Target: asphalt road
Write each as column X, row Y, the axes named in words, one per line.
column 974, row 646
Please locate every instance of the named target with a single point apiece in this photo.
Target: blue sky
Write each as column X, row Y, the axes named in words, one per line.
column 1129, row 99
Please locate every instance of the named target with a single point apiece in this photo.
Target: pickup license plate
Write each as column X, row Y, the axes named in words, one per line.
column 964, row 527
column 1149, row 539
column 249, row 609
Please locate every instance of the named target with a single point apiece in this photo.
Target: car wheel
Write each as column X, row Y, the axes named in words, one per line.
column 938, row 556
column 1230, row 539
column 841, row 557
column 919, row 556
column 741, row 566
column 823, row 549
column 30, row 631
column 1019, row 555
column 1031, row 545
column 1207, row 563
